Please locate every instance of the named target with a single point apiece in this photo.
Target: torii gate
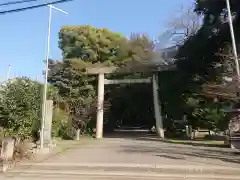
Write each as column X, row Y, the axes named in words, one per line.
column 143, row 67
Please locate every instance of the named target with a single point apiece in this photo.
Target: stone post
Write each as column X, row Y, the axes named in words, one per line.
column 47, row 135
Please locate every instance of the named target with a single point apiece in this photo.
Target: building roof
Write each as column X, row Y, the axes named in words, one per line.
column 166, row 55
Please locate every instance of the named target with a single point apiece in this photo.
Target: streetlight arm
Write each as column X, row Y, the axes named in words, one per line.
column 53, row 7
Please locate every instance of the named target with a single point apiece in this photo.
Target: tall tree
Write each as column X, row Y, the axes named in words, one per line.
column 199, row 63
column 84, row 46
column 90, row 44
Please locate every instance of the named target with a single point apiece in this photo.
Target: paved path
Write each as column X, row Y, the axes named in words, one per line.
column 125, row 158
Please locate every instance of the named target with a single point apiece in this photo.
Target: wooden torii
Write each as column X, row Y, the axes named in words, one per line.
column 149, row 67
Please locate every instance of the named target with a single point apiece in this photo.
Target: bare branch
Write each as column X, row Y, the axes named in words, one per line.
column 184, row 26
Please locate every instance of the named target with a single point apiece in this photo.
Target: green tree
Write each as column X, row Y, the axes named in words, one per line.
column 90, row 44
column 84, row 46
column 199, row 63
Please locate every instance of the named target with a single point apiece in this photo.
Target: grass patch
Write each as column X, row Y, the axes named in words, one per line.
column 196, row 141
column 203, row 142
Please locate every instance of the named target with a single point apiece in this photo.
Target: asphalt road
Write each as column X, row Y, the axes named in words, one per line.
column 133, row 158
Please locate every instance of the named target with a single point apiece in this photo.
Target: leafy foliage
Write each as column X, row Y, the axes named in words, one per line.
column 215, row 10
column 200, row 65
column 20, row 104
column 89, row 44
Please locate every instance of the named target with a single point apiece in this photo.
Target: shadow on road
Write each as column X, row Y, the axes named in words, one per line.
column 185, row 152
column 148, row 136
column 175, row 150
column 200, row 143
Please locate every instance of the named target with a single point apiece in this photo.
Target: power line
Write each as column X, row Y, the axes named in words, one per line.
column 16, row 2
column 33, row 7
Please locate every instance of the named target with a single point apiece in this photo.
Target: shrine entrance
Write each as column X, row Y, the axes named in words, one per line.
column 152, row 69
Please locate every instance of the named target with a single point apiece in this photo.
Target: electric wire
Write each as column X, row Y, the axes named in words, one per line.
column 16, row 2
column 33, row 7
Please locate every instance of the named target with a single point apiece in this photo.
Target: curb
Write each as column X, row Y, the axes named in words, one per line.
column 137, row 168
column 70, row 173
column 128, row 165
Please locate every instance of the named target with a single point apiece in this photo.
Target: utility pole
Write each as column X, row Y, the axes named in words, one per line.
column 46, row 72
column 234, row 53
column 233, row 39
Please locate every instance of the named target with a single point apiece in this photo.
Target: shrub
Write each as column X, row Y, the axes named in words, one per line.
column 20, row 106
column 60, row 119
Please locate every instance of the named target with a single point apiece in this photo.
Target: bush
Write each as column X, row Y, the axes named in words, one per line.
column 61, row 125
column 20, row 106
column 67, row 132
column 60, row 120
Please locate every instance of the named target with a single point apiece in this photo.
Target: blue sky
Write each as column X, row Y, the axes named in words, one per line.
column 23, row 34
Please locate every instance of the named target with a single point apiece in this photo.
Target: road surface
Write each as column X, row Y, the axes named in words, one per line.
column 133, row 158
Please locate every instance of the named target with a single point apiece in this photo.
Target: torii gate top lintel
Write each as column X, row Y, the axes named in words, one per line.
column 130, row 69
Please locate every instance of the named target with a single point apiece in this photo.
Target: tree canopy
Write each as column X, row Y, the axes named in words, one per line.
column 84, row 46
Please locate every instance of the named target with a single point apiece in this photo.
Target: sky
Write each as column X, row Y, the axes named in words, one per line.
column 23, row 34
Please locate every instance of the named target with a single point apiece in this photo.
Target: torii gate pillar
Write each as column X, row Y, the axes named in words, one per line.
column 157, row 107
column 99, row 129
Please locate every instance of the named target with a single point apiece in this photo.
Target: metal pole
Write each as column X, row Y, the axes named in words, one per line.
column 234, row 49
column 46, row 76
column 233, row 38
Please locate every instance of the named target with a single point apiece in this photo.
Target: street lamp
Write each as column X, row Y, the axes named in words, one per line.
column 233, row 39
column 46, row 72
column 234, row 53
